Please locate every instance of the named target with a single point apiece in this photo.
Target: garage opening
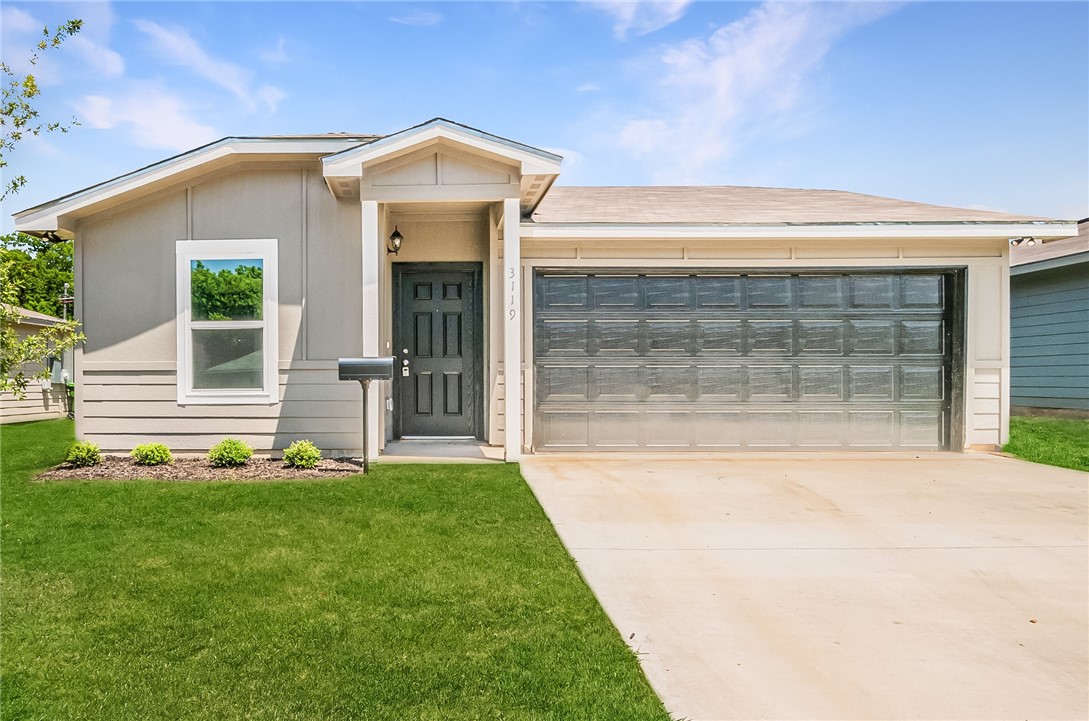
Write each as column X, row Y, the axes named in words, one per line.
column 712, row 361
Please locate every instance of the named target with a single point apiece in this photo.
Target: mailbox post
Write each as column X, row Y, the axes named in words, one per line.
column 365, row 370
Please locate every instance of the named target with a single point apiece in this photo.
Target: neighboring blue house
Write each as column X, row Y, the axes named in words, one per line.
column 1049, row 318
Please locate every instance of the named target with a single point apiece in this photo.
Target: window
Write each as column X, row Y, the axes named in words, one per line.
column 227, row 303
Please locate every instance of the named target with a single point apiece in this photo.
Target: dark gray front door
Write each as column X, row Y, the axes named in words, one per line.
column 437, row 346
column 745, row 360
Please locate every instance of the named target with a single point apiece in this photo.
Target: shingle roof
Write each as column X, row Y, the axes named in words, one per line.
column 744, row 205
column 1023, row 254
column 33, row 317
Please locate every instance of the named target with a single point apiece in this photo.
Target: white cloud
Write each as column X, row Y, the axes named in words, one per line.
column 640, row 17
column 152, row 117
column 19, row 21
column 418, row 18
column 106, row 62
column 588, row 88
column 270, row 97
column 748, row 78
column 275, row 56
column 178, row 47
column 90, row 46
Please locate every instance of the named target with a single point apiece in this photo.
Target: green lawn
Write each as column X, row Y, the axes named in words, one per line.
column 1054, row 441
column 418, row 592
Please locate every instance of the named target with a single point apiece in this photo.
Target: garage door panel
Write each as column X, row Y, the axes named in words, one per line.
column 823, row 292
column 615, row 292
column 873, row 291
column 831, row 359
column 821, row 337
column 719, row 337
column 872, row 337
column 564, row 383
column 821, row 429
column 565, row 429
column 769, row 429
column 922, row 429
column 672, row 429
column 617, row 382
column 821, row 383
column 922, row 337
column 563, row 338
column 924, row 383
column 616, row 429
column 771, row 337
column 872, row 383
column 922, row 291
column 770, row 383
column 769, row 292
column 669, row 292
column 717, row 383
column 616, row 337
column 718, row 291
column 871, row 429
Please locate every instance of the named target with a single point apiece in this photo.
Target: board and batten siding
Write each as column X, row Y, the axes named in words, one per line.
column 126, row 371
column 1049, row 337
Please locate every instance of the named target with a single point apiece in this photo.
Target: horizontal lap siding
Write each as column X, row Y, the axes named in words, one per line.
column 120, row 409
column 1049, row 338
column 35, row 406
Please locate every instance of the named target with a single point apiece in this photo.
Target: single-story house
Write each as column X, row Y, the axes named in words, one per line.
column 218, row 288
column 43, row 399
column 1049, row 319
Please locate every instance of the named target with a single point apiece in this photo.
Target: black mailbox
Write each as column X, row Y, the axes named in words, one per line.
column 365, row 369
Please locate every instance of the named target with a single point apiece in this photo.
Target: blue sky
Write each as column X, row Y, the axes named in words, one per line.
column 974, row 104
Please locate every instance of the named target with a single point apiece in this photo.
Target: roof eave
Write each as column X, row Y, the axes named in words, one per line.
column 1044, row 230
column 47, row 217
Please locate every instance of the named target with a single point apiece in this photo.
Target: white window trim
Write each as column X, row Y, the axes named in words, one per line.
column 263, row 249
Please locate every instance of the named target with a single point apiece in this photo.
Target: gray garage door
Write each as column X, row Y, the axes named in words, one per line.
column 713, row 361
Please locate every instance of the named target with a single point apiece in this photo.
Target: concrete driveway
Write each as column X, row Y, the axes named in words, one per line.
column 837, row 587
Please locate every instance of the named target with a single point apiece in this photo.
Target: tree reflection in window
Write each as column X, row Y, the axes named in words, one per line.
column 227, row 289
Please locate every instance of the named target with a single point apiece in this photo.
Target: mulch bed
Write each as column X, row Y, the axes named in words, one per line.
column 199, row 469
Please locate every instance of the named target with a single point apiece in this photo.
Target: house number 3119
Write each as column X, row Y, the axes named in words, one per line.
column 510, row 274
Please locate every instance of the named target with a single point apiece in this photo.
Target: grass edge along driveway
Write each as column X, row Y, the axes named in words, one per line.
column 418, row 592
column 1052, row 441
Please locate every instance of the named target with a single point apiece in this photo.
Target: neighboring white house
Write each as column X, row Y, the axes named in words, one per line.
column 43, row 399
column 526, row 314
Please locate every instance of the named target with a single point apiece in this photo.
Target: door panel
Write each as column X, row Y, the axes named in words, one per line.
column 761, row 360
column 437, row 386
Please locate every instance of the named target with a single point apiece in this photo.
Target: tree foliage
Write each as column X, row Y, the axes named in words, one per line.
column 30, row 271
column 229, row 294
column 18, row 354
column 38, row 271
column 18, row 116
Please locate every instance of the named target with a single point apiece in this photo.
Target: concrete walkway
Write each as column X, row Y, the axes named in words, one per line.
column 943, row 587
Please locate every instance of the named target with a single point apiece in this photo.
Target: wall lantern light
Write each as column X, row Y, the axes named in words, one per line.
column 395, row 239
column 1017, row 242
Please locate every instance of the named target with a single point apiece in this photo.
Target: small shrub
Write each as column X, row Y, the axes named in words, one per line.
column 229, row 452
column 302, row 454
column 84, row 453
column 152, row 454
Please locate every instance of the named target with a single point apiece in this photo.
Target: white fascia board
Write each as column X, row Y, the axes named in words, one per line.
column 349, row 164
column 44, row 217
column 1043, row 231
column 1050, row 263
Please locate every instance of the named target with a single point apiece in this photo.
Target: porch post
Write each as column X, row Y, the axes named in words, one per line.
column 512, row 325
column 372, row 268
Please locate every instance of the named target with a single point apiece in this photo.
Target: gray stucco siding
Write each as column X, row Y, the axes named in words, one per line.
column 1049, row 338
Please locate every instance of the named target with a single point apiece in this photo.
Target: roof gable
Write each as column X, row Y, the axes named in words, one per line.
column 53, row 215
